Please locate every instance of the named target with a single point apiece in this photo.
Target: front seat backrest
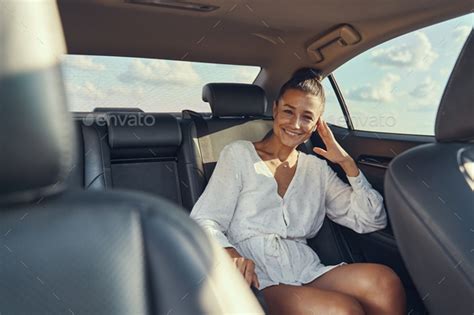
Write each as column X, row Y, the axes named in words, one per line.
column 430, row 198
column 81, row 252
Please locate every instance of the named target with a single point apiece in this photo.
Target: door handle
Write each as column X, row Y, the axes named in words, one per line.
column 374, row 161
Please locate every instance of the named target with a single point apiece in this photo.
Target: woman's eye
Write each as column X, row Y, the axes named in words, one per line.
column 308, row 118
column 287, row 111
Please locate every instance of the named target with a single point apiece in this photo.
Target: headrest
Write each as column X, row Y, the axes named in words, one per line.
column 138, row 130
column 454, row 121
column 36, row 130
column 234, row 99
column 116, row 109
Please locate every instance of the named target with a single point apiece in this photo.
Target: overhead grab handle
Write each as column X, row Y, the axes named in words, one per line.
column 343, row 35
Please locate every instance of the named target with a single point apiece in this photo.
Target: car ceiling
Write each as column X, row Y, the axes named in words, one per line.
column 268, row 33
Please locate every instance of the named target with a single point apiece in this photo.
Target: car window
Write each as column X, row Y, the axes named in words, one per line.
column 150, row 84
column 397, row 86
column 332, row 110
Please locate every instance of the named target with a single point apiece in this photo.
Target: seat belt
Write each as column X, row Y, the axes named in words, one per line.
column 201, row 130
column 201, row 125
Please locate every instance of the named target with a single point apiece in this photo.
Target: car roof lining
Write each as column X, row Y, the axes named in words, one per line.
column 268, row 28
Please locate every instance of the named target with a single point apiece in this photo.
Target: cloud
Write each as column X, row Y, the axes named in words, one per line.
column 131, row 92
column 418, row 55
column 445, row 71
column 87, row 90
column 461, row 32
column 382, row 92
column 425, row 89
column 83, row 63
column 427, row 95
column 160, row 71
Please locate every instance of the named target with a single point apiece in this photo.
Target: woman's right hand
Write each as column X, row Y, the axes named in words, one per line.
column 245, row 266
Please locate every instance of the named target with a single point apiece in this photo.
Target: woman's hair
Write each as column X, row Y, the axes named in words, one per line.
column 306, row 80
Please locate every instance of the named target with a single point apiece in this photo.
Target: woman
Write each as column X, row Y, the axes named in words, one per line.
column 265, row 199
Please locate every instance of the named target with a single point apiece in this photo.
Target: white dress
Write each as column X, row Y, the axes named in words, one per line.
column 241, row 208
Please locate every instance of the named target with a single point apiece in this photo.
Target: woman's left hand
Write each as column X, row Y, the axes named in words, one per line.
column 334, row 152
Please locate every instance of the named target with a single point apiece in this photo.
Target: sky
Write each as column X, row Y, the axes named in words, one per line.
column 394, row 87
column 150, row 84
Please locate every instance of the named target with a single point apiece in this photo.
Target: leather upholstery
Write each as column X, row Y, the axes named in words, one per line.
column 97, row 166
column 233, row 99
column 35, row 159
column 117, row 110
column 91, row 168
column 129, row 130
column 112, row 253
column 454, row 121
column 430, row 201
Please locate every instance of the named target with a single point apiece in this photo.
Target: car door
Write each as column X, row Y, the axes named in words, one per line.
column 380, row 104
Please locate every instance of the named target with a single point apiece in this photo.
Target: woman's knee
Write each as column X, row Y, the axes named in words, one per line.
column 385, row 286
column 344, row 305
column 304, row 300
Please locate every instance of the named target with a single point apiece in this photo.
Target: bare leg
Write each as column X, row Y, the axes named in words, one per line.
column 375, row 286
column 293, row 300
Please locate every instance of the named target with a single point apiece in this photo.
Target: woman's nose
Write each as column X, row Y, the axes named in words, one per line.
column 296, row 122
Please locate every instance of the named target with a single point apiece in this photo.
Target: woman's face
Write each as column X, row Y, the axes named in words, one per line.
column 296, row 116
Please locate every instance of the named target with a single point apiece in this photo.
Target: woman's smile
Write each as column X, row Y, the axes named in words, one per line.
column 292, row 133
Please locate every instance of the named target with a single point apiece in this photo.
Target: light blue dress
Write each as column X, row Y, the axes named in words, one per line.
column 241, row 208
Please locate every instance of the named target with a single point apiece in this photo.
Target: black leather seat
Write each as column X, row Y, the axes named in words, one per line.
column 91, row 166
column 144, row 154
column 73, row 252
column 133, row 150
column 429, row 192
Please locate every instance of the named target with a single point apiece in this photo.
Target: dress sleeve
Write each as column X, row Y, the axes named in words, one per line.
column 215, row 208
column 357, row 206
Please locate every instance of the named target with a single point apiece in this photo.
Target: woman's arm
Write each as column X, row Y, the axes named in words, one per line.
column 358, row 206
column 215, row 208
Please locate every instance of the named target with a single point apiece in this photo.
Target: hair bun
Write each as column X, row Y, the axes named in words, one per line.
column 307, row 73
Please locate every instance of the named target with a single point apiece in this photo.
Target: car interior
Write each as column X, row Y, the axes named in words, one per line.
column 95, row 210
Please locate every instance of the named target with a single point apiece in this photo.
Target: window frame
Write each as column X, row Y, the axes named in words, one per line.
column 342, row 102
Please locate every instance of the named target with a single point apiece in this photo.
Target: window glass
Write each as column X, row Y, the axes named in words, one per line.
column 397, row 86
column 150, row 84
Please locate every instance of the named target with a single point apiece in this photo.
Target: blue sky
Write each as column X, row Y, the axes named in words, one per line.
column 394, row 87
column 397, row 86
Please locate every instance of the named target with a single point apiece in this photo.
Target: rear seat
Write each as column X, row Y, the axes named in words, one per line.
column 171, row 158
column 175, row 158
column 131, row 150
column 143, row 153
column 91, row 169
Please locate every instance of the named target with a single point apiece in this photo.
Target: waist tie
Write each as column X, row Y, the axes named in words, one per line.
column 273, row 243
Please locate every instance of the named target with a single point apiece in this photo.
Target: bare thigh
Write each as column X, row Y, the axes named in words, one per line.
column 375, row 286
column 288, row 299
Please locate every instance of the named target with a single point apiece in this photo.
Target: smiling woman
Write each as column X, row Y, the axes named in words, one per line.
column 149, row 84
column 265, row 199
